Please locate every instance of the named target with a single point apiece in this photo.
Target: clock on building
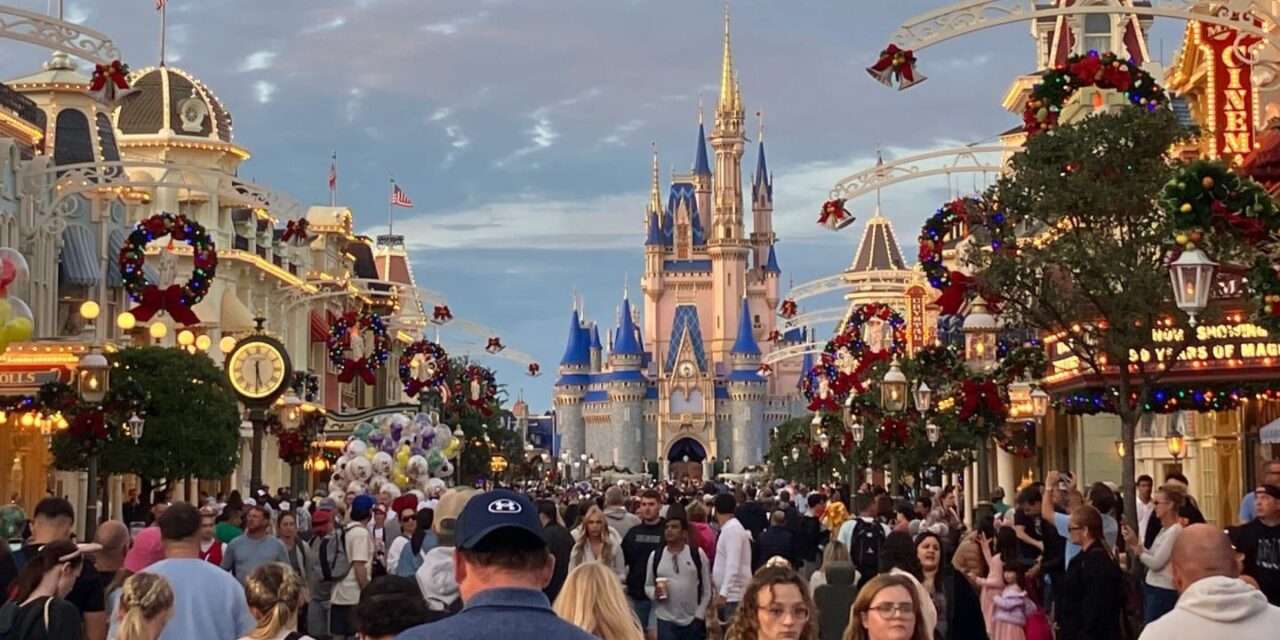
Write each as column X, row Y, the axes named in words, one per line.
column 259, row 369
column 685, row 369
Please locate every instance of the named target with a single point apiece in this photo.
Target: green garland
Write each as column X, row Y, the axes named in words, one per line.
column 1094, row 69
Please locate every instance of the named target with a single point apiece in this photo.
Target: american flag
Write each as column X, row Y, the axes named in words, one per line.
column 333, row 172
column 160, row 4
column 399, row 198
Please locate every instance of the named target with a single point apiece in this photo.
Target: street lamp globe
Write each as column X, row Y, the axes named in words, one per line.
column 203, row 342
column 858, row 431
column 980, row 330
column 893, row 389
column 126, row 321
column 93, row 377
column 923, row 397
column 932, row 432
column 89, row 310
column 1176, row 445
column 1039, row 404
column 1192, row 277
column 134, row 426
column 226, row 344
column 290, row 410
column 158, row 330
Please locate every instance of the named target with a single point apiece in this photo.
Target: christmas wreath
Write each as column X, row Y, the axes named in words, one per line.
column 1018, row 438
column 478, row 388
column 176, row 300
column 1233, row 219
column 435, row 363
column 821, row 386
column 339, row 341
column 850, row 350
column 955, row 217
column 1102, row 70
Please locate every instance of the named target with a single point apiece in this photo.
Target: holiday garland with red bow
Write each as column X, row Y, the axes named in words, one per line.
column 176, row 300
column 295, row 231
column 834, row 215
column 1235, row 220
column 1102, row 70
column 339, row 342
column 896, row 64
column 437, row 367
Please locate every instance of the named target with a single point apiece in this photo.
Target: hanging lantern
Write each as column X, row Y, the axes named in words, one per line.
column 1120, row 448
column 290, row 407
column 1020, row 399
column 1176, row 445
column 893, row 389
column 1192, row 276
column 1039, row 404
column 795, row 454
column 133, row 427
column 817, row 420
column 858, row 431
column 932, row 432
column 923, row 397
column 824, row 440
column 93, row 376
column 980, row 333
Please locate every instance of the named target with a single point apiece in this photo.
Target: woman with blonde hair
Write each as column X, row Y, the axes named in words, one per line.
column 598, row 542
column 146, row 605
column 834, row 553
column 274, row 593
column 775, row 606
column 886, row 609
column 592, row 600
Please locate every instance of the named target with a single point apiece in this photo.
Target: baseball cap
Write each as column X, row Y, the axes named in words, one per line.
column 361, row 507
column 494, row 511
column 321, row 518
column 446, row 513
column 147, row 549
column 1272, row 490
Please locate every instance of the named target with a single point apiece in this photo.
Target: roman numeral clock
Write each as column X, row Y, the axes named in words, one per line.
column 259, row 370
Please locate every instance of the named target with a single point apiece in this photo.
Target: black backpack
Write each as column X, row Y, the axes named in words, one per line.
column 865, row 543
column 334, row 563
column 697, row 563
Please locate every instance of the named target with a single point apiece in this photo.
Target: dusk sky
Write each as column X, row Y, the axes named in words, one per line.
column 522, row 130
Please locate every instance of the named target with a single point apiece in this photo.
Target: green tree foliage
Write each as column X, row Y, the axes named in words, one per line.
column 477, row 423
column 192, row 418
column 1089, row 264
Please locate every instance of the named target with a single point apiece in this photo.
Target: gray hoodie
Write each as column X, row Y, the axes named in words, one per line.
column 435, row 579
column 620, row 520
column 1217, row 607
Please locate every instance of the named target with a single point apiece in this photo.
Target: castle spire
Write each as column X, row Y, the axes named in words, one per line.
column 655, row 188
column 729, row 102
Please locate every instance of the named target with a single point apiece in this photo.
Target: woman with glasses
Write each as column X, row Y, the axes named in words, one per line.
column 775, row 606
column 1158, row 594
column 886, row 609
column 1093, row 588
column 898, row 557
column 959, row 609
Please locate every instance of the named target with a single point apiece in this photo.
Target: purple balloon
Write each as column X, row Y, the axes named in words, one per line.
column 417, row 451
column 396, row 430
column 388, row 445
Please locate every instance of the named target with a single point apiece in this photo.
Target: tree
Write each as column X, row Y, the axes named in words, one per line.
column 1089, row 262
column 192, row 419
column 477, row 420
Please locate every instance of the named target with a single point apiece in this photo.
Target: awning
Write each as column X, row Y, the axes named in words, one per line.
column 231, row 315
column 78, row 262
column 1270, row 434
column 319, row 326
column 114, row 243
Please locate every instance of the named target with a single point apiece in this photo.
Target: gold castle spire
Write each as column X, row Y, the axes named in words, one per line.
column 730, row 97
column 655, row 190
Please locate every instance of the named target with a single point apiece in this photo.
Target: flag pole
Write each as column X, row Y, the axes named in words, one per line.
column 164, row 12
column 333, row 188
column 390, row 213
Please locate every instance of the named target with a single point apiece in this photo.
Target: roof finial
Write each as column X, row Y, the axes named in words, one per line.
column 760, row 115
column 728, row 90
column 626, row 286
column 655, row 187
column 699, row 107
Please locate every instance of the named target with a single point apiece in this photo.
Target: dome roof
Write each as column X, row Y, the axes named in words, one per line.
column 172, row 99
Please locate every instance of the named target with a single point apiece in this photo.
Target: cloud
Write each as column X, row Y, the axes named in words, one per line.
column 263, row 91
column 534, row 221
column 258, row 61
column 543, row 134
column 457, row 139
column 440, row 114
column 331, row 25
column 77, row 13
column 619, row 135
column 452, row 27
column 175, row 41
column 355, row 103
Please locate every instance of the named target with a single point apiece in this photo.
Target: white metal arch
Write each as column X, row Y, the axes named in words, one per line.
column 832, row 314
column 794, row 351
column 818, row 287
column 47, row 31
column 963, row 18
column 965, row 159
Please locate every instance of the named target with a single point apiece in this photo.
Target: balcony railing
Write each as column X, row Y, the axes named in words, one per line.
column 23, row 107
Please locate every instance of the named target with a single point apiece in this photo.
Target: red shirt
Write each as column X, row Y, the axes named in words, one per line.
column 214, row 554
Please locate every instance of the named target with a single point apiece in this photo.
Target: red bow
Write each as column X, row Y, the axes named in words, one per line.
column 955, row 294
column 894, row 431
column 414, row 386
column 979, row 396
column 352, row 368
column 1116, row 76
column 442, row 314
column 1252, row 229
column 789, row 308
column 896, row 64
column 828, row 403
column 534, row 369
column 764, row 371
column 296, row 229
column 834, row 215
column 170, row 300
column 495, row 345
column 1086, row 70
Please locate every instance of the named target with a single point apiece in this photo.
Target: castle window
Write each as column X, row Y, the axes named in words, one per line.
column 755, row 322
column 1097, row 32
column 72, row 145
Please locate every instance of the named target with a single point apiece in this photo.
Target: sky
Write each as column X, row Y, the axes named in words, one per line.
column 522, row 130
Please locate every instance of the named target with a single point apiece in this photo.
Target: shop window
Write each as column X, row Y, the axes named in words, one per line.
column 72, row 145
column 1097, row 33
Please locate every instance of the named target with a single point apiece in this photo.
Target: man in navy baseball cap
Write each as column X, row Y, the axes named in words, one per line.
column 502, row 563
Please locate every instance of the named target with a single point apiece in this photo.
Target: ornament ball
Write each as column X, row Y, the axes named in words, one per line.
column 1207, row 182
column 1185, row 208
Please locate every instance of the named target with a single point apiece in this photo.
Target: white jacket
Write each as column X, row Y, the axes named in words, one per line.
column 1218, row 607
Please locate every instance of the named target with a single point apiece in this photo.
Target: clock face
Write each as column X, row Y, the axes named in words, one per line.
column 257, row 369
column 685, row 369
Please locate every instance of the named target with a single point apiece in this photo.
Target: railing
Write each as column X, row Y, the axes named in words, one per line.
column 240, row 242
column 23, row 107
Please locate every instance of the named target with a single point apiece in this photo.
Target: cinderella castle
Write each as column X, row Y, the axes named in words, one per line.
column 680, row 384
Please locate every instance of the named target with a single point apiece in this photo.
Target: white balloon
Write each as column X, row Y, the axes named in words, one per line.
column 417, row 467
column 356, row 488
column 360, row 469
column 383, row 463
column 357, row 447
column 445, row 470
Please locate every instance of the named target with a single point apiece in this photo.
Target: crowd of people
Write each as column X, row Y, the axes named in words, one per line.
column 778, row 561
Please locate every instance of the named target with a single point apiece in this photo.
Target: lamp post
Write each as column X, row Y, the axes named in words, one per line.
column 893, row 389
column 980, row 331
column 93, row 380
column 1176, row 444
column 462, row 444
column 1192, row 277
column 133, row 427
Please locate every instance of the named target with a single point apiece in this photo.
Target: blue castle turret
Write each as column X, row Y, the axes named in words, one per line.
column 746, row 391
column 571, row 387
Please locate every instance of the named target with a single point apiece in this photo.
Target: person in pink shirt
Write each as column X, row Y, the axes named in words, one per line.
column 700, row 533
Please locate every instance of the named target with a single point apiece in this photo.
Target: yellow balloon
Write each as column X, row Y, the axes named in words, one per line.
column 18, row 330
column 402, row 456
column 400, row 479
column 6, row 310
column 452, row 450
column 369, row 453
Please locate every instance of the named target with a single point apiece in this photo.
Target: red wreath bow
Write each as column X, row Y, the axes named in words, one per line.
column 441, row 314
column 296, row 230
column 896, row 65
column 1086, row 70
column 979, row 396
column 764, row 371
column 1252, row 229
column 495, row 345
column 414, row 386
column 774, row 336
column 828, row 403
column 1116, row 76
column 789, row 308
column 955, row 294
column 834, row 215
column 352, row 368
column 110, row 82
column 894, row 432
column 170, row 300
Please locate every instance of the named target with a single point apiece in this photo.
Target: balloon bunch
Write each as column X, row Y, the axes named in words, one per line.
column 398, row 451
column 16, row 321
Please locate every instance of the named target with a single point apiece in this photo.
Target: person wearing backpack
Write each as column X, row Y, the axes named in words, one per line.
column 320, row 580
column 675, row 583
column 357, row 543
column 864, row 536
column 37, row 609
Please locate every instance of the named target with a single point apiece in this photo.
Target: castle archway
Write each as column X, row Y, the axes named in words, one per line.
column 685, row 459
